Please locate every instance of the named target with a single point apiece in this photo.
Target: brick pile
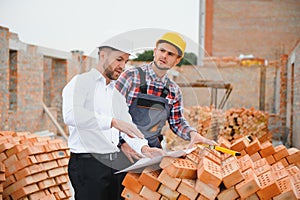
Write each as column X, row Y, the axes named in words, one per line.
column 35, row 167
column 261, row 172
column 231, row 124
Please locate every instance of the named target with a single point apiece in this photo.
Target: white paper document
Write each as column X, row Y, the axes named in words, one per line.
column 145, row 162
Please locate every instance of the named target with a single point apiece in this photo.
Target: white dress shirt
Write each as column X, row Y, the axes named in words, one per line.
column 88, row 108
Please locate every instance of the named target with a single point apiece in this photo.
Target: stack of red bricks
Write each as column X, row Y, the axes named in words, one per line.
column 35, row 166
column 261, row 172
column 231, row 124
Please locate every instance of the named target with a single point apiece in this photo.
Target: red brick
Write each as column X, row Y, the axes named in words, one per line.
column 240, row 144
column 18, row 185
column 296, row 188
column 209, row 172
column 294, row 155
column 44, row 157
column 245, row 162
column 9, row 180
column 61, row 179
column 37, row 195
column 292, row 170
column 60, row 195
column 231, row 173
column 224, row 142
column 201, row 197
column 56, row 172
column 209, row 191
column 31, row 150
column 285, row 189
column 295, row 178
column 130, row 195
column 263, row 169
column 14, row 150
column 46, row 183
column 284, row 162
column 28, row 171
column 194, row 157
column 10, row 160
column 131, row 182
column 269, row 187
column 22, row 192
column 50, row 165
column 168, row 181
column 187, row 188
column 208, row 154
column 279, row 174
column 183, row 197
column 149, row 194
column 167, row 192
column 59, row 154
column 280, row 152
column 63, row 162
column 267, row 149
column 182, row 168
column 249, row 186
column 48, row 197
column 228, row 194
column 255, row 157
column 2, row 156
column 54, row 189
column 259, row 163
column 253, row 147
column 148, row 178
column 39, row 176
column 270, row 159
column 166, row 162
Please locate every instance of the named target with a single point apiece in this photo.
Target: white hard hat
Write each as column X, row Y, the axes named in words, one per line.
column 120, row 44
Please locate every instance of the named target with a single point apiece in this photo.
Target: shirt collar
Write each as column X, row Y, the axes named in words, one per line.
column 154, row 76
column 96, row 75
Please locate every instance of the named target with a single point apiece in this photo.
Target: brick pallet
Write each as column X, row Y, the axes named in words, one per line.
column 261, row 172
column 35, row 166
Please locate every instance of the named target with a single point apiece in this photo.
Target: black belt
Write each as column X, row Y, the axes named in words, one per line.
column 106, row 156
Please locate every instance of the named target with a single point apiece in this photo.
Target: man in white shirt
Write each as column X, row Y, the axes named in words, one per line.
column 97, row 116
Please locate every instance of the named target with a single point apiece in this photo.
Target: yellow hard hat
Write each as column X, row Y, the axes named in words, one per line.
column 176, row 40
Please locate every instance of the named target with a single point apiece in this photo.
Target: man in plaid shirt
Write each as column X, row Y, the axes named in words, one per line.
column 153, row 98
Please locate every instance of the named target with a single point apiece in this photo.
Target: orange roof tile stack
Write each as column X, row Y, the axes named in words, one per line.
column 261, row 172
column 35, row 166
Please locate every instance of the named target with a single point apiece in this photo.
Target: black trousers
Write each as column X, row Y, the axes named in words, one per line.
column 93, row 178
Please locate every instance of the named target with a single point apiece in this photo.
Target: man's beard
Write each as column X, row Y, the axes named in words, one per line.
column 108, row 72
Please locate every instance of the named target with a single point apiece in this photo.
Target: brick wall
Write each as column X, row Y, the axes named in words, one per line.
column 39, row 76
column 4, row 58
column 265, row 29
column 293, row 96
column 244, row 79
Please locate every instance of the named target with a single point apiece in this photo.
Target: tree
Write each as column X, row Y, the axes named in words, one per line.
column 188, row 59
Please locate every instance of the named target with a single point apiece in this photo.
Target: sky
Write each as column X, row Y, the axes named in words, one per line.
column 68, row 25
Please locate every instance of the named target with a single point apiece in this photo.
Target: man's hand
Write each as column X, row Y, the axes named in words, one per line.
column 197, row 138
column 130, row 153
column 152, row 152
column 126, row 128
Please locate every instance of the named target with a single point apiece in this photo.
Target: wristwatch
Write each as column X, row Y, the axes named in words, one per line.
column 121, row 141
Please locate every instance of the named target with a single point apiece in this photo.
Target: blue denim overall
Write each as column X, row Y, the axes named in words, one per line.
column 150, row 112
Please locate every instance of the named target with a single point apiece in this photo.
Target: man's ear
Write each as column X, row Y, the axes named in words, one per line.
column 178, row 60
column 102, row 55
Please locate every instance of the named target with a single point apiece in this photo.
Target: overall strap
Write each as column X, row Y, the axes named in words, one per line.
column 166, row 90
column 143, row 86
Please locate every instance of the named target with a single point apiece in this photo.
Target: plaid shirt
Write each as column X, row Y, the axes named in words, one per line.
column 129, row 82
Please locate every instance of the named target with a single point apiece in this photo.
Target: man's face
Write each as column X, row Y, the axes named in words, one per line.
column 166, row 55
column 115, row 64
